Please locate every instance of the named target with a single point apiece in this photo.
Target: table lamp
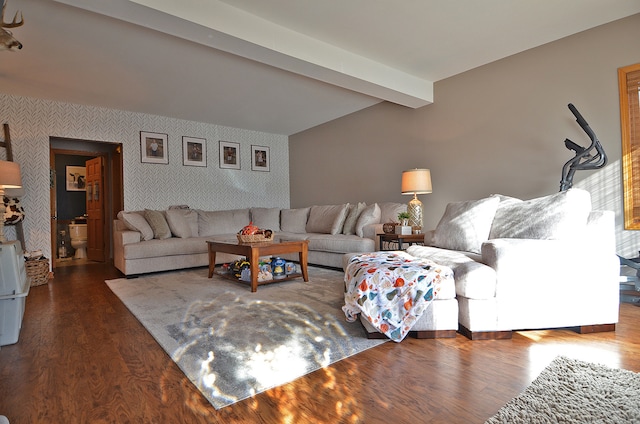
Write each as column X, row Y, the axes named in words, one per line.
column 9, row 178
column 416, row 181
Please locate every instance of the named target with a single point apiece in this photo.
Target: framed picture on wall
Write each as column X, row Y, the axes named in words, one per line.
column 229, row 155
column 76, row 178
column 194, row 151
column 260, row 158
column 154, row 147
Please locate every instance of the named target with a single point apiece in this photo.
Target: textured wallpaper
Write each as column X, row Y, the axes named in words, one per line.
column 154, row 186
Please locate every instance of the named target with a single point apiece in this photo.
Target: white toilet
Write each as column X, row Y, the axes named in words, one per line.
column 78, row 233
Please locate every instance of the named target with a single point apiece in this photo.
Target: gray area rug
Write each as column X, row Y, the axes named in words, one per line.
column 573, row 391
column 233, row 344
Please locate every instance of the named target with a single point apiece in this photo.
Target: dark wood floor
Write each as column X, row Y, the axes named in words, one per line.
column 83, row 358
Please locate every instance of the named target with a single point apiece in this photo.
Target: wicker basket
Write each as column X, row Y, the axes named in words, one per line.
column 254, row 238
column 389, row 227
column 37, row 271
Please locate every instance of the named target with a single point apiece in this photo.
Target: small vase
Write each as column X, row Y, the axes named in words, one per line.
column 405, row 222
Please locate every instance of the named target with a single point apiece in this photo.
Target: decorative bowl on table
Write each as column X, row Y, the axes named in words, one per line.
column 253, row 234
column 389, row 227
column 254, row 238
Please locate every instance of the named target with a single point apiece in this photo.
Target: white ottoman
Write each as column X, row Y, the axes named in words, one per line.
column 439, row 320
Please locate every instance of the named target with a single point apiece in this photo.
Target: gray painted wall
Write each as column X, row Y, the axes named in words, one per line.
column 498, row 128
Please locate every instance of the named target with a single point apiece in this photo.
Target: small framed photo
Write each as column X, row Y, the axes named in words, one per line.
column 260, row 158
column 153, row 147
column 76, row 177
column 194, row 151
column 229, row 155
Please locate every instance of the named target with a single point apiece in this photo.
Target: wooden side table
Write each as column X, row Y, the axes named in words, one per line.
column 400, row 239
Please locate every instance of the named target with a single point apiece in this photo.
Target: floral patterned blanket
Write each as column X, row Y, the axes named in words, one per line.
column 391, row 290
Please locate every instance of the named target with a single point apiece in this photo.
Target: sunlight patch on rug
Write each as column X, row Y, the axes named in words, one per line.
column 252, row 346
column 233, row 344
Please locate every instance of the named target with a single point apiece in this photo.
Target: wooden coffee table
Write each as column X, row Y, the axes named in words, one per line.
column 253, row 251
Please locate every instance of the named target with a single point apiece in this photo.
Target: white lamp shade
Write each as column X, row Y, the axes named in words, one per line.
column 416, row 181
column 10, row 175
column 14, row 192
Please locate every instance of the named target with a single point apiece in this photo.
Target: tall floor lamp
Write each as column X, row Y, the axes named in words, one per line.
column 416, row 181
column 9, row 178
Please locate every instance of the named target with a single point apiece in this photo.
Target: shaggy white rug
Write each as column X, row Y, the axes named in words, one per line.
column 573, row 391
column 232, row 343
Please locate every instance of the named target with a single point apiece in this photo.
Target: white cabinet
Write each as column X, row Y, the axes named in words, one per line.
column 14, row 288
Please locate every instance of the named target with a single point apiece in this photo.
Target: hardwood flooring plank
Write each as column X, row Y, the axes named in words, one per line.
column 82, row 357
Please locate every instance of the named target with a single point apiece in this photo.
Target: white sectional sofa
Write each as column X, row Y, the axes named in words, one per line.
column 149, row 241
column 544, row 263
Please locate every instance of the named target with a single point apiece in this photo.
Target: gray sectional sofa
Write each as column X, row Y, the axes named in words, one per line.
column 150, row 240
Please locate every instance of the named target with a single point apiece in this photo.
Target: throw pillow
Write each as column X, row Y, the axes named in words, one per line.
column 338, row 224
column 559, row 216
column 294, row 220
column 326, row 219
column 266, row 218
column 352, row 218
column 13, row 212
column 136, row 222
column 466, row 225
column 158, row 224
column 370, row 215
column 183, row 222
column 389, row 211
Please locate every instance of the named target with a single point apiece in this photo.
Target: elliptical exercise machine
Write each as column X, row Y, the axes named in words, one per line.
column 584, row 159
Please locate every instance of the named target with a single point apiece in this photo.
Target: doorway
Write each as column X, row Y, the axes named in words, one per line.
column 72, row 204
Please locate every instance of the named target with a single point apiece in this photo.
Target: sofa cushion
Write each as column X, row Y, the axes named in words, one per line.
column 285, row 236
column 222, row 222
column 168, row 247
column 466, row 225
column 560, row 216
column 182, row 222
column 370, row 215
column 352, row 218
column 158, row 224
column 136, row 222
column 473, row 279
column 340, row 243
column 224, row 238
column 294, row 220
column 327, row 219
column 266, row 218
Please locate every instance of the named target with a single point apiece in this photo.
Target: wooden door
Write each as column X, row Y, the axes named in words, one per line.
column 95, row 209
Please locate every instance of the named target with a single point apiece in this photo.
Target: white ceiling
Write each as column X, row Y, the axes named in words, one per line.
column 278, row 66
